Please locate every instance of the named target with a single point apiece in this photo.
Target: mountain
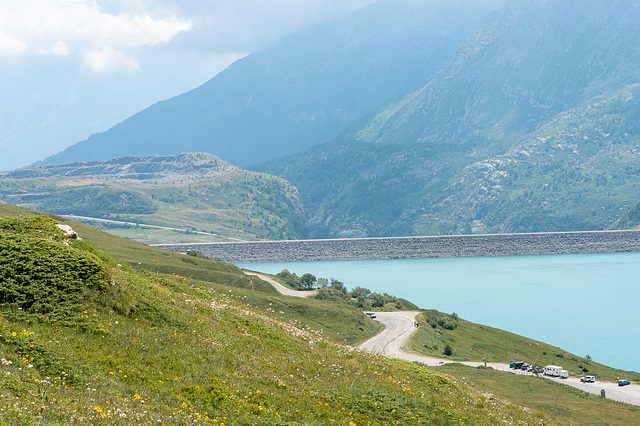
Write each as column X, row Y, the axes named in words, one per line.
column 300, row 92
column 476, row 148
column 185, row 197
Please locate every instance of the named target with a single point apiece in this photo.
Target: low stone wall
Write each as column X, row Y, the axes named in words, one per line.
column 418, row 247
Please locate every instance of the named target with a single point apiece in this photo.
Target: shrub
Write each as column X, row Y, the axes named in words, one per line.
column 41, row 274
column 448, row 350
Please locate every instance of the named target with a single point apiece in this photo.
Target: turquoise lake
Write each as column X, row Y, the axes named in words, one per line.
column 585, row 304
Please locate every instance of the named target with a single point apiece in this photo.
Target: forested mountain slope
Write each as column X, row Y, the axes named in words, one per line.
column 300, row 92
column 535, row 69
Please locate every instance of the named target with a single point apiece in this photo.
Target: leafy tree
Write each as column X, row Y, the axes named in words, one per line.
column 360, row 291
column 377, row 300
column 308, row 281
column 290, row 279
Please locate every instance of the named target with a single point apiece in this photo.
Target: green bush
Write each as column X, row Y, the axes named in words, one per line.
column 42, row 274
column 448, row 350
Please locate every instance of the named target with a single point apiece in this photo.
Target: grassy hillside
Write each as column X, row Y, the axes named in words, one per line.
column 565, row 403
column 474, row 342
column 194, row 194
column 111, row 344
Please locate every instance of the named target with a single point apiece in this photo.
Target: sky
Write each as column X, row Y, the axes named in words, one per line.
column 71, row 68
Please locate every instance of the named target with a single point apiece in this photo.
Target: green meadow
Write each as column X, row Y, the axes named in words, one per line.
column 95, row 340
column 109, row 331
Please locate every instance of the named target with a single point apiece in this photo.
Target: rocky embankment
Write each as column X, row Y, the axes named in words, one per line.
column 419, row 247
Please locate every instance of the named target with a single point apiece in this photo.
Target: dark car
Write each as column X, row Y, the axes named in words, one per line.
column 623, row 382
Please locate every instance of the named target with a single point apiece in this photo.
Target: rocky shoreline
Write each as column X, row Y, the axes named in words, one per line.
column 418, row 247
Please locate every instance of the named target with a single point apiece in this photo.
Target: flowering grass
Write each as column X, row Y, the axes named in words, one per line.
column 147, row 348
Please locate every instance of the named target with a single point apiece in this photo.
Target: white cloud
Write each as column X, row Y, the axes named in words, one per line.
column 108, row 60
column 59, row 48
column 10, row 46
column 59, row 27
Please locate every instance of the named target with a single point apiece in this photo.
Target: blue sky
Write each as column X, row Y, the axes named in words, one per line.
column 70, row 68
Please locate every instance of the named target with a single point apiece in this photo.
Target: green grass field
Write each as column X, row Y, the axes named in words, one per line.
column 123, row 345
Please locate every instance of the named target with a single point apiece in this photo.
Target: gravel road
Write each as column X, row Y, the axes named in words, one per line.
column 399, row 326
column 282, row 289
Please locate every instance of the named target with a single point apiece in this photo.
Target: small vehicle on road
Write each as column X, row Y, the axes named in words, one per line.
column 588, row 379
column 623, row 382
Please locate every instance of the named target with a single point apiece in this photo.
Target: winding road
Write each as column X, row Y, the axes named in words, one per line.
column 399, row 326
column 282, row 289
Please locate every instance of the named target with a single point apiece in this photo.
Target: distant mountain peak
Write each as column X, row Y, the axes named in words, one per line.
column 184, row 167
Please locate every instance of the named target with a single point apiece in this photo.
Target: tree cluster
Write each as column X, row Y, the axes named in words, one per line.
column 336, row 291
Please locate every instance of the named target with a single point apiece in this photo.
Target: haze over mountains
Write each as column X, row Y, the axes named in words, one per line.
column 300, row 92
column 524, row 119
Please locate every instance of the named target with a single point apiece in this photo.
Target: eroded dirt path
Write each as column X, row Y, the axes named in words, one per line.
column 399, row 326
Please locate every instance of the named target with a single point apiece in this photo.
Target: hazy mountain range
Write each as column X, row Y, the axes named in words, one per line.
column 301, row 91
column 524, row 119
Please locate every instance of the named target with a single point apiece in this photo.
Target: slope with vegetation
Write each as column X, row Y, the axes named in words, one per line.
column 538, row 79
column 467, row 341
column 199, row 194
column 129, row 346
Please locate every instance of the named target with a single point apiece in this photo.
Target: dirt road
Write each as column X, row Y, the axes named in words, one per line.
column 282, row 289
column 399, row 326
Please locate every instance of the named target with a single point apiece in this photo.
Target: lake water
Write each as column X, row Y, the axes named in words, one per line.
column 585, row 304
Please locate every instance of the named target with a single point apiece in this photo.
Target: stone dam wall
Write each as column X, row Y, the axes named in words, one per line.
column 418, row 247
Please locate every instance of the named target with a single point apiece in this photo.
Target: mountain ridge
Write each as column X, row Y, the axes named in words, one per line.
column 299, row 92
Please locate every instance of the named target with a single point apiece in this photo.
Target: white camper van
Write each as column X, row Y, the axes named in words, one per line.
column 554, row 371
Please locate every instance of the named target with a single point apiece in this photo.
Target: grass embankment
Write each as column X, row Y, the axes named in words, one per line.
column 474, row 342
column 136, row 347
column 563, row 402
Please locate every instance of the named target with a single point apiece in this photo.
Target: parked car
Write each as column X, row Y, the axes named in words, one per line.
column 587, row 379
column 623, row 382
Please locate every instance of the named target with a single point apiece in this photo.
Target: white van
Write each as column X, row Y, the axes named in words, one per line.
column 553, row 370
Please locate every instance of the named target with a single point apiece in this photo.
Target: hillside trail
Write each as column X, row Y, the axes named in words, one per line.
column 399, row 326
column 282, row 289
